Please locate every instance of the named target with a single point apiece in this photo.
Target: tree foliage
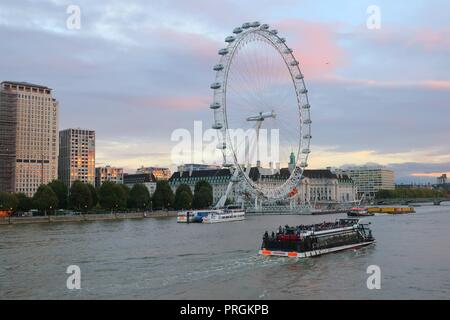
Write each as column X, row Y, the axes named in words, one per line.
column 403, row 193
column 94, row 195
column 25, row 202
column 183, row 197
column 80, row 196
column 139, row 197
column 45, row 199
column 163, row 196
column 8, row 201
column 61, row 191
column 203, row 195
column 112, row 196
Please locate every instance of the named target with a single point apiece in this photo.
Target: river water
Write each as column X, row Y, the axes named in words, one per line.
column 160, row 259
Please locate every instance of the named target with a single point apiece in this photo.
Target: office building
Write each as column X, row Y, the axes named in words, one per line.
column 159, row 172
column 108, row 173
column 369, row 180
column 28, row 137
column 76, row 156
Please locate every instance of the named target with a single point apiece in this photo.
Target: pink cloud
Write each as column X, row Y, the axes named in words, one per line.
column 432, row 40
column 437, row 84
column 315, row 46
column 430, row 174
column 173, row 102
column 192, row 43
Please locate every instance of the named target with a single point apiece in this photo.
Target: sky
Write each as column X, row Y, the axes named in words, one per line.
column 137, row 70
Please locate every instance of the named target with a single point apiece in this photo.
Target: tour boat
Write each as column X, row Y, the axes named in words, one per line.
column 230, row 213
column 194, row 216
column 313, row 240
column 359, row 212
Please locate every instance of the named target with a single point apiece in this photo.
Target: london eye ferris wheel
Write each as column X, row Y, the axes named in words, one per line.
column 259, row 88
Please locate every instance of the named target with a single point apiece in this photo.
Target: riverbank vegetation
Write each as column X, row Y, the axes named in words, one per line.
column 407, row 193
column 55, row 198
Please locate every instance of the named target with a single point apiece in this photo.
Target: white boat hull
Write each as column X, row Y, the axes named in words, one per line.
column 206, row 220
column 313, row 252
column 224, row 217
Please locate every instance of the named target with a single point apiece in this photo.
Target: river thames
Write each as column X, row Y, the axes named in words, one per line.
column 160, row 259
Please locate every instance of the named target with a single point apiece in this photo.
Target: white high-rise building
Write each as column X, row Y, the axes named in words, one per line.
column 35, row 129
column 369, row 180
column 76, row 156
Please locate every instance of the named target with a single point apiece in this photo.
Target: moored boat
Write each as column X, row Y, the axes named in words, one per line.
column 229, row 214
column 194, row 216
column 359, row 212
column 313, row 240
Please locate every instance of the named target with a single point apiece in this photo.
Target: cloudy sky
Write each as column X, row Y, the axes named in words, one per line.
column 137, row 70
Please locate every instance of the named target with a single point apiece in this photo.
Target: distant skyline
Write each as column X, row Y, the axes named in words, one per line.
column 137, row 70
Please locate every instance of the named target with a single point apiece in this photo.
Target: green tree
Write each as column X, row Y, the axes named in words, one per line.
column 203, row 195
column 25, row 202
column 121, row 192
column 94, row 195
column 61, row 191
column 183, row 197
column 202, row 184
column 106, row 196
column 8, row 201
column 139, row 197
column 112, row 196
column 80, row 196
column 45, row 199
column 384, row 194
column 163, row 195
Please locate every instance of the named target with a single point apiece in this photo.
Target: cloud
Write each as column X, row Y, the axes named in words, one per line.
column 315, row 45
column 136, row 71
column 174, row 102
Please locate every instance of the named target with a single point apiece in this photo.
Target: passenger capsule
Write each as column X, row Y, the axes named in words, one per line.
column 246, row 25
column 264, row 26
column 230, row 39
column 307, row 121
column 303, row 164
column 255, row 24
column 223, row 51
column 306, row 106
column 218, row 67
column 221, row 146
column 274, row 31
column 299, row 77
column 303, row 91
column 237, row 30
column 217, row 126
column 215, row 85
column 294, row 63
column 287, row 50
column 214, row 105
column 306, row 151
column 307, row 136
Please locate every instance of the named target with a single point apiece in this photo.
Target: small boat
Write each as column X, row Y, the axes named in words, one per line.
column 359, row 212
column 230, row 213
column 313, row 240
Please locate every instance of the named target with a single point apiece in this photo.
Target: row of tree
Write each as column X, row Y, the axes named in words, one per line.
column 409, row 193
column 110, row 196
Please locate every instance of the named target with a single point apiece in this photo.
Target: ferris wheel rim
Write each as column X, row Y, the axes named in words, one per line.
column 220, row 101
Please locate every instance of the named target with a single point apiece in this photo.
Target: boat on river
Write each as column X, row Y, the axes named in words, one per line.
column 317, row 239
column 359, row 212
column 229, row 214
column 195, row 216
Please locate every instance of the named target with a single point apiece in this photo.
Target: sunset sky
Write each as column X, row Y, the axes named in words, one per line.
column 137, row 70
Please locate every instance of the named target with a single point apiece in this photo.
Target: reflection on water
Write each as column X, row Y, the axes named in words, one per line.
column 158, row 258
